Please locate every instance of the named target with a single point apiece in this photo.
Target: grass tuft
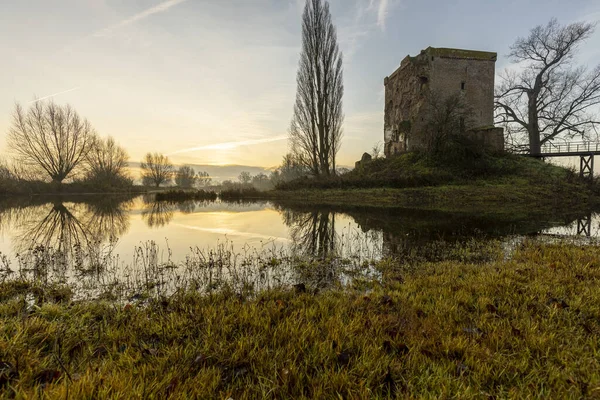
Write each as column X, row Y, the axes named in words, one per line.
column 527, row 326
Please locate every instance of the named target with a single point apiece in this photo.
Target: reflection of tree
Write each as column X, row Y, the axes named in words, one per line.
column 67, row 225
column 186, row 207
column 424, row 234
column 312, row 233
column 107, row 219
column 159, row 214
column 57, row 229
column 11, row 216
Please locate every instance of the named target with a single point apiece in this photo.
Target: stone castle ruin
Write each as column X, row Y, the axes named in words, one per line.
column 442, row 73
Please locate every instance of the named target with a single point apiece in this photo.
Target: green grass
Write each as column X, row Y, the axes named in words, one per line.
column 485, row 184
column 527, row 327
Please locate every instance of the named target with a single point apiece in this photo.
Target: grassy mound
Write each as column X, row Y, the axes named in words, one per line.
column 418, row 169
column 528, row 327
column 473, row 183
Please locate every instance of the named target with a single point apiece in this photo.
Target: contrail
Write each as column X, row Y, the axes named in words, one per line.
column 53, row 95
column 231, row 145
column 164, row 6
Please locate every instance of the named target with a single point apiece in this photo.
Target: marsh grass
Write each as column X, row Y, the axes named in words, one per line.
column 96, row 271
column 240, row 192
column 524, row 326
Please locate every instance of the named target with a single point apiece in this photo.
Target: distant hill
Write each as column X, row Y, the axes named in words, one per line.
column 218, row 173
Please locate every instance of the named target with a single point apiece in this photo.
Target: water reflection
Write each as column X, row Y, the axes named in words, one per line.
column 57, row 228
column 65, row 224
column 413, row 233
column 107, row 219
column 259, row 240
column 312, row 233
column 158, row 213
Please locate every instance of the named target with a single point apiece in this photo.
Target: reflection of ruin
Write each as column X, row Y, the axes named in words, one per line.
column 404, row 232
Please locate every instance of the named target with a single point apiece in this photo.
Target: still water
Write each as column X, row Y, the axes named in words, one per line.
column 125, row 223
column 140, row 231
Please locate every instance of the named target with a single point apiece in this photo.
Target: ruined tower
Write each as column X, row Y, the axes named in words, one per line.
column 440, row 72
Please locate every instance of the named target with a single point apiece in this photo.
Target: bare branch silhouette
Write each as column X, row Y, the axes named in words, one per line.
column 50, row 137
column 548, row 98
column 156, row 169
column 316, row 128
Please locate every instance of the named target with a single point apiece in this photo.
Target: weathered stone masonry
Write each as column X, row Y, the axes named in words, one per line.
column 443, row 72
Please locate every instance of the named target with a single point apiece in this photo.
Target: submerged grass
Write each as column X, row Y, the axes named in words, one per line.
column 527, row 326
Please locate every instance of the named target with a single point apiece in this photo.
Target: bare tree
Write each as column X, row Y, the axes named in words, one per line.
column 316, row 128
column 156, row 169
column 261, row 182
column 448, row 120
column 376, row 150
column 549, row 97
column 245, row 177
column 185, row 177
column 50, row 137
column 106, row 160
column 203, row 179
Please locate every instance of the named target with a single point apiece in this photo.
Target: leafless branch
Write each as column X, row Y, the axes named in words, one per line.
column 316, row 128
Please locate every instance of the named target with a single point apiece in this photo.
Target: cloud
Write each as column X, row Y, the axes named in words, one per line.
column 381, row 10
column 231, row 145
column 53, row 95
column 162, row 7
column 368, row 17
column 382, row 13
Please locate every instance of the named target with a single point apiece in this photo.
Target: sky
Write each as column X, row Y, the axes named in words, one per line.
column 214, row 81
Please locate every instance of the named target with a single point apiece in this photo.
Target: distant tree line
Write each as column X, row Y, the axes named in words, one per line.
column 290, row 169
column 158, row 170
column 53, row 143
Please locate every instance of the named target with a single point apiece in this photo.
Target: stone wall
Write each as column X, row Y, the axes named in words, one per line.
column 405, row 96
column 474, row 79
column 444, row 73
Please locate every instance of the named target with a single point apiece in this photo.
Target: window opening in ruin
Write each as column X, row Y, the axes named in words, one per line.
column 462, row 85
column 424, row 81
